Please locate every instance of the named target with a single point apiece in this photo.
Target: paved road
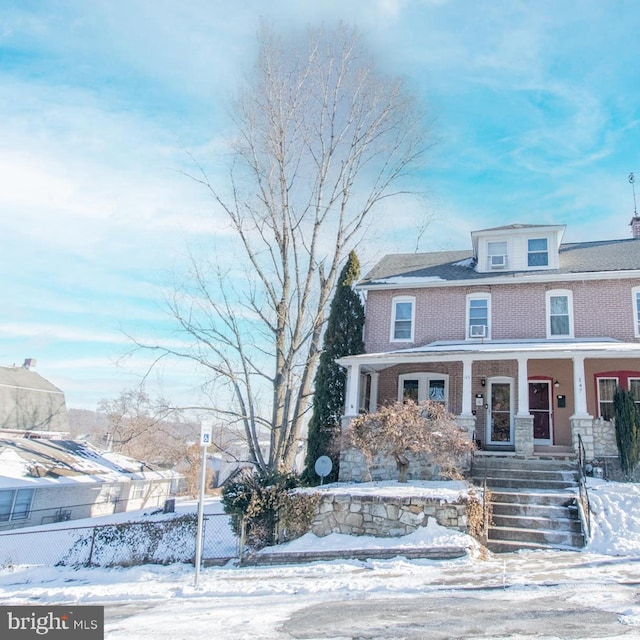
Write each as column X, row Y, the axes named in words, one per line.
column 554, row 596
column 459, row 615
column 444, row 618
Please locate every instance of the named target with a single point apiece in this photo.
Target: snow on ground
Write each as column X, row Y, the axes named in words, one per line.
column 161, row 602
column 616, row 517
column 433, row 535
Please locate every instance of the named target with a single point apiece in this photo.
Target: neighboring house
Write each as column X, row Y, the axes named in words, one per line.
column 46, row 479
column 523, row 338
column 28, row 401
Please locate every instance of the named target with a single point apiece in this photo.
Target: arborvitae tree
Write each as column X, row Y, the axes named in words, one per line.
column 343, row 337
column 627, row 423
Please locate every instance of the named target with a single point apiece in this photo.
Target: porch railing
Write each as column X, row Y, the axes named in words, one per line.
column 584, row 506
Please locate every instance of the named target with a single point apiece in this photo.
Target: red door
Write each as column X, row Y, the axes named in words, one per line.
column 540, row 409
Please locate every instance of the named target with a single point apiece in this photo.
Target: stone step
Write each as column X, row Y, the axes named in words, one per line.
column 553, row 498
column 536, row 536
column 519, row 483
column 534, row 475
column 534, row 510
column 543, row 523
column 491, row 462
column 510, row 546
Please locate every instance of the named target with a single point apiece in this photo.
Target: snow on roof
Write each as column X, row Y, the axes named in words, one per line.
column 28, row 463
column 489, row 349
column 409, row 280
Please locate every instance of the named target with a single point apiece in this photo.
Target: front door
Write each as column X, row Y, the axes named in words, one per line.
column 499, row 418
column 540, row 409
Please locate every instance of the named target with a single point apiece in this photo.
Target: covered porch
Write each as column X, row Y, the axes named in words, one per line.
column 526, row 397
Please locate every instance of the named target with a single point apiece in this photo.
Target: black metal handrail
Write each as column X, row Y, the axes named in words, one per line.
column 584, row 506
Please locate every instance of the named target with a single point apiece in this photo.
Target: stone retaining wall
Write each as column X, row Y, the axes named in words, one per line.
column 385, row 516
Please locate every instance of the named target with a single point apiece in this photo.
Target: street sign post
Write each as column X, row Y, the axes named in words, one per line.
column 206, row 433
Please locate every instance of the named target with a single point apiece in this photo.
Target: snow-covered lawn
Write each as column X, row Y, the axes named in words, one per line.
column 254, row 602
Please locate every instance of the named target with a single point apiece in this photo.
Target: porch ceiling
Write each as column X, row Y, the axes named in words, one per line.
column 496, row 350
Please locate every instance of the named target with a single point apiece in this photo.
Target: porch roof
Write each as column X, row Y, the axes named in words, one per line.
column 496, row 350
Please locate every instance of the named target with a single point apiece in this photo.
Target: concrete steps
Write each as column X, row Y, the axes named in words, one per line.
column 533, row 502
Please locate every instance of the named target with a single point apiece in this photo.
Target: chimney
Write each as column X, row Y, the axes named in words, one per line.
column 28, row 363
column 635, row 226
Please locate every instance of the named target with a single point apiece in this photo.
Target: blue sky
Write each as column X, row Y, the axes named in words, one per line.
column 536, row 107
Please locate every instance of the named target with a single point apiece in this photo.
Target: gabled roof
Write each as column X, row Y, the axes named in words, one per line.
column 510, row 227
column 451, row 266
column 23, row 378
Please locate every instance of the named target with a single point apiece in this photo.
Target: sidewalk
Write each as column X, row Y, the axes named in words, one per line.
column 411, row 553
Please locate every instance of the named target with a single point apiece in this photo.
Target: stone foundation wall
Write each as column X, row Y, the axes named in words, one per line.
column 355, row 467
column 384, row 516
column 604, row 439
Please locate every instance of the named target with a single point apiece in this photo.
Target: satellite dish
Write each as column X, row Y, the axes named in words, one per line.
column 323, row 466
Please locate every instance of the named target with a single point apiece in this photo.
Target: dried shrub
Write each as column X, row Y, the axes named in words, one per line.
column 402, row 427
column 479, row 515
column 269, row 505
column 295, row 515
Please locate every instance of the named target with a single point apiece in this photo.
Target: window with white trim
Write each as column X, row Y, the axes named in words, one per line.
column 15, row 504
column 634, row 387
column 137, row 491
column 537, row 252
column 636, row 311
column 402, row 320
column 606, row 389
column 560, row 314
column 606, row 384
column 497, row 255
column 424, row 386
column 478, row 316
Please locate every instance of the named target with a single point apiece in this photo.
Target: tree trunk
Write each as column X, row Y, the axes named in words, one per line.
column 403, row 468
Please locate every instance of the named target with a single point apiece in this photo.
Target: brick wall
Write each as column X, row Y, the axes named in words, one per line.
column 518, row 311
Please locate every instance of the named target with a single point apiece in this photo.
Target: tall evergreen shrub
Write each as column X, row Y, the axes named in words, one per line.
column 627, row 424
column 343, row 337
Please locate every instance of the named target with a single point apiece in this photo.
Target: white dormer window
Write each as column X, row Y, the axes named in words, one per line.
column 538, row 252
column 497, row 255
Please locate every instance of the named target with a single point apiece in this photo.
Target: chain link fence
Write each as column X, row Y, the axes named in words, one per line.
column 123, row 544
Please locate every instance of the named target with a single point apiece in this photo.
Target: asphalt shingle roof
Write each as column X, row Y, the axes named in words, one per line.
column 22, row 378
column 577, row 257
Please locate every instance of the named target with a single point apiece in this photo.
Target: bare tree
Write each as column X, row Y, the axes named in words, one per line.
column 322, row 138
column 139, row 427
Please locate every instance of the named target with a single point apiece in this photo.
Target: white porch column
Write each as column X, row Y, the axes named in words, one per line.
column 579, row 389
column 581, row 421
column 373, row 392
column 467, row 406
column 523, row 387
column 352, row 396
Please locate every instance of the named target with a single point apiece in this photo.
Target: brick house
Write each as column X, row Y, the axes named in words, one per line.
column 523, row 338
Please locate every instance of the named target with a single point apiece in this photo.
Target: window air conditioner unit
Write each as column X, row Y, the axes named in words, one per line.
column 478, row 331
column 498, row 262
